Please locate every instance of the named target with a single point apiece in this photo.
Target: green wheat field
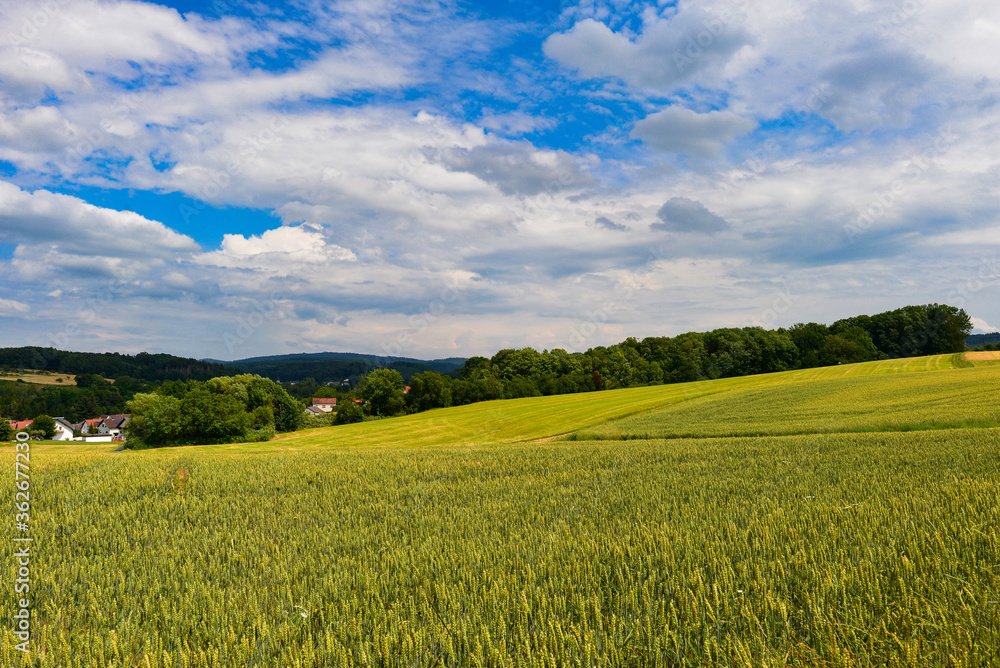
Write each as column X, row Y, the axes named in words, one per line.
column 846, row 516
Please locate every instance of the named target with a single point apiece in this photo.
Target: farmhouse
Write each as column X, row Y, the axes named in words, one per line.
column 323, row 405
column 65, row 429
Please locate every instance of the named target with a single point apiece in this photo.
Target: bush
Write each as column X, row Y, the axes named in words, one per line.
column 44, row 425
column 349, row 413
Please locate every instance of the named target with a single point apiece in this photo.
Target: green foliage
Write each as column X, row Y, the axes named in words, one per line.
column 349, row 413
column 145, row 366
column 6, row 431
column 429, row 390
column 382, row 391
column 229, row 409
column 45, row 426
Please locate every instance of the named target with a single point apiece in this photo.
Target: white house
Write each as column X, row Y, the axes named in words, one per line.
column 323, row 405
column 64, row 430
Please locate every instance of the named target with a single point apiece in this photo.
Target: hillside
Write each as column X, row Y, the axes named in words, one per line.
column 957, row 391
column 470, row 536
column 974, row 340
column 336, row 367
column 143, row 366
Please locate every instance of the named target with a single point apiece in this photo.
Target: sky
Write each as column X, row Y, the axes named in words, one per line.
column 445, row 179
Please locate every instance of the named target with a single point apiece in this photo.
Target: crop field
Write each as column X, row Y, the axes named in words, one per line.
column 40, row 377
column 482, row 541
column 946, row 399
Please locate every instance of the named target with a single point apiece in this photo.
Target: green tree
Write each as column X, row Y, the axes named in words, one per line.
column 429, row 390
column 213, row 416
column 382, row 389
column 6, row 431
column 45, row 425
column 348, row 412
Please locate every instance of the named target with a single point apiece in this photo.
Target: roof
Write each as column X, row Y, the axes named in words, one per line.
column 23, row 424
column 325, row 401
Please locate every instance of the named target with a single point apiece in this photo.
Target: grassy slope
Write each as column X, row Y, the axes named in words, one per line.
column 828, row 549
column 41, row 378
column 527, row 419
column 954, row 398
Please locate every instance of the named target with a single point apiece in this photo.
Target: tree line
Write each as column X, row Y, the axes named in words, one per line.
column 92, row 396
column 156, row 367
column 511, row 373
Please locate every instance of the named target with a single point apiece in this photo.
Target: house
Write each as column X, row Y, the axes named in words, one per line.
column 64, row 429
column 113, row 424
column 90, row 426
column 21, row 425
column 324, row 404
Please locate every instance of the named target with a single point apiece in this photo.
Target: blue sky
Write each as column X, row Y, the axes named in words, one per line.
column 440, row 179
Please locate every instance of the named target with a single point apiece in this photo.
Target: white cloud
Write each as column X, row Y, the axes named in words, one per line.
column 980, row 325
column 282, row 251
column 669, row 51
column 680, row 130
column 76, row 227
column 11, row 307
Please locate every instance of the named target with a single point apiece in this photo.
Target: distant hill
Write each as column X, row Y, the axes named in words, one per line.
column 974, row 340
column 144, row 366
column 334, row 367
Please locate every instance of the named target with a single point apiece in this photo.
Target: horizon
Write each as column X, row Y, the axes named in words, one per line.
column 430, row 179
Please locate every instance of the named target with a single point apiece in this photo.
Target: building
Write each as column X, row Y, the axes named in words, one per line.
column 324, row 404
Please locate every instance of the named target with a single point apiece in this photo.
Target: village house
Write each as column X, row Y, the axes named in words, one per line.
column 107, row 428
column 324, row 404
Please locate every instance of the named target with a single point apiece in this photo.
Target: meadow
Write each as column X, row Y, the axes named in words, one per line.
column 40, row 377
column 868, row 536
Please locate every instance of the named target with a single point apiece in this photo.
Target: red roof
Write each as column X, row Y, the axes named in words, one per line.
column 23, row 424
column 325, row 401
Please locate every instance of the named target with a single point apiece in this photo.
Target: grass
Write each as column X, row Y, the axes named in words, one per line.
column 40, row 377
column 955, row 398
column 846, row 549
column 516, row 420
column 469, row 537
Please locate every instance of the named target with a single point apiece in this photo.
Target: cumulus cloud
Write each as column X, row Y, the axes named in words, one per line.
column 518, row 168
column 670, row 50
column 680, row 214
column 284, row 250
column 980, row 325
column 74, row 226
column 680, row 130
